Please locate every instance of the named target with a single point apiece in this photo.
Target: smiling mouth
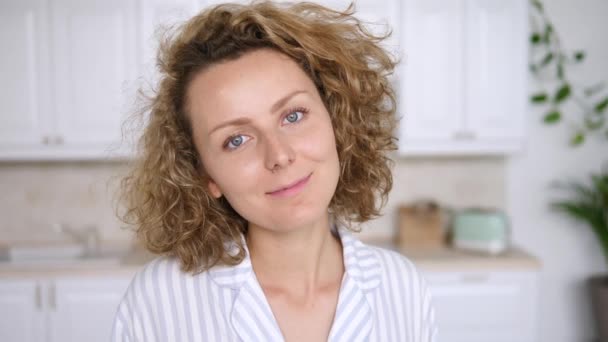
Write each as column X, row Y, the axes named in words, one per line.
column 291, row 189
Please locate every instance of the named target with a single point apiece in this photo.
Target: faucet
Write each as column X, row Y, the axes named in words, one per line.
column 88, row 237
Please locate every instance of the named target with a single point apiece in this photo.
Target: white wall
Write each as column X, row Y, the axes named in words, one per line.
column 567, row 249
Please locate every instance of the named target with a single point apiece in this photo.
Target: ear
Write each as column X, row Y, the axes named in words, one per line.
column 214, row 189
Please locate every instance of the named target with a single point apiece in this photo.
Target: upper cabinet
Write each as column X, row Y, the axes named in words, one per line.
column 72, row 69
column 70, row 66
column 158, row 18
column 463, row 77
column 95, row 64
column 24, row 66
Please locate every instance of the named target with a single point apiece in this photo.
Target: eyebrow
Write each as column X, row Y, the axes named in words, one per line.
column 243, row 121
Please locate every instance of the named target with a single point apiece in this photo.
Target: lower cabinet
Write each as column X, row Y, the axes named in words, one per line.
column 481, row 306
column 471, row 306
column 60, row 309
column 21, row 316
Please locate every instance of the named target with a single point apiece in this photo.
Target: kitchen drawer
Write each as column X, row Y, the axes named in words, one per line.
column 483, row 306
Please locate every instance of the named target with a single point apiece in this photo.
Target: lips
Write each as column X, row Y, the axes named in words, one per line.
column 289, row 188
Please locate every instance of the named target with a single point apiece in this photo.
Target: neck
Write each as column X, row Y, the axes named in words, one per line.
column 302, row 260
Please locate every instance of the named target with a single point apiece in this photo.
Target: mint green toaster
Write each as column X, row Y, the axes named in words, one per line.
column 479, row 229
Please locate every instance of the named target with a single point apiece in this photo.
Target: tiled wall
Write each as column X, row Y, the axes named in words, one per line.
column 36, row 195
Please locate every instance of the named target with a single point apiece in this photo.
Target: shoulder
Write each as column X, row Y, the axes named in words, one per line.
column 394, row 263
column 160, row 279
column 150, row 294
column 149, row 280
column 372, row 265
column 401, row 279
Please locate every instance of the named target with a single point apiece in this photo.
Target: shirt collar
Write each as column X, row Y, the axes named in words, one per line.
column 360, row 263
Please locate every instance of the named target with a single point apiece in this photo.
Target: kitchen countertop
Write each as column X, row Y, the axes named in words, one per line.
column 437, row 259
column 119, row 265
column 447, row 258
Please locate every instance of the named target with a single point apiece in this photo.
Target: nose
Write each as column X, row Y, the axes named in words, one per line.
column 279, row 152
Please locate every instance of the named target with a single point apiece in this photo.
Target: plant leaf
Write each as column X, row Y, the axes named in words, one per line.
column 588, row 203
column 533, row 67
column 594, row 121
column 539, row 97
column 579, row 55
column 552, row 117
column 577, row 139
column 594, row 89
column 538, row 5
column 547, row 59
column 548, row 32
column 560, row 71
column 535, row 38
column 601, row 106
column 562, row 93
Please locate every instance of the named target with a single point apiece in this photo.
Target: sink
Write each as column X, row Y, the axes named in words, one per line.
column 59, row 254
column 41, row 251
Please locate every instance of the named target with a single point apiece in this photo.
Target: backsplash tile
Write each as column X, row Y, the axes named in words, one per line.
column 37, row 195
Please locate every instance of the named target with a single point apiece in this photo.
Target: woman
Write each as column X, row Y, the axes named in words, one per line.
column 267, row 139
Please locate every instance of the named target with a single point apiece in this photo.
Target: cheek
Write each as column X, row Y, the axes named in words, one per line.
column 234, row 176
column 318, row 141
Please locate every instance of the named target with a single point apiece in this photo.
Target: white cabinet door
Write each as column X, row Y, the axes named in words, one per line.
column 94, row 50
column 83, row 309
column 485, row 306
column 464, row 77
column 24, row 63
column 431, row 94
column 496, row 55
column 159, row 17
column 21, row 311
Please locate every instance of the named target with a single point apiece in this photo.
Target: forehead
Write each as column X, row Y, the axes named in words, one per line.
column 248, row 85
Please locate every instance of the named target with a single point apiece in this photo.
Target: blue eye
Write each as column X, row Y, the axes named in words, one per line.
column 295, row 115
column 235, row 141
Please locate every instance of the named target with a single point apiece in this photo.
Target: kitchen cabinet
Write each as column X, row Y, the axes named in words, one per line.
column 73, row 69
column 156, row 17
column 74, row 308
column 463, row 77
column 480, row 306
column 21, row 311
column 94, row 54
column 70, row 66
column 25, row 69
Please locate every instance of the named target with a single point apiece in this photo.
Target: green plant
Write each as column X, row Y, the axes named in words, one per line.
column 549, row 63
column 588, row 203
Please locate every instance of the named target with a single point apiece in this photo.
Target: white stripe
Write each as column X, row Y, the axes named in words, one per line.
column 177, row 297
column 149, row 295
column 196, row 320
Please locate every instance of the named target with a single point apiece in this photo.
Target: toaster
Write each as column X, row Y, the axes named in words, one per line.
column 483, row 230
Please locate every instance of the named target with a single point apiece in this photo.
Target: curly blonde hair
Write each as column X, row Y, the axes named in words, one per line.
column 165, row 196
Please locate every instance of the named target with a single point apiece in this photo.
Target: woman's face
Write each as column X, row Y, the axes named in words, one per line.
column 260, row 126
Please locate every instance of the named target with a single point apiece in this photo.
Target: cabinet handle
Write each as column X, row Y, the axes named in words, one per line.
column 38, row 297
column 464, row 135
column 58, row 140
column 46, row 140
column 52, row 299
column 474, row 278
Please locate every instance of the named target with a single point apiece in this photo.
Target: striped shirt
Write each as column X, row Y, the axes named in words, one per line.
column 382, row 298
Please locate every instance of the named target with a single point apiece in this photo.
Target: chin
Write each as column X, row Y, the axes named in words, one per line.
column 299, row 218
